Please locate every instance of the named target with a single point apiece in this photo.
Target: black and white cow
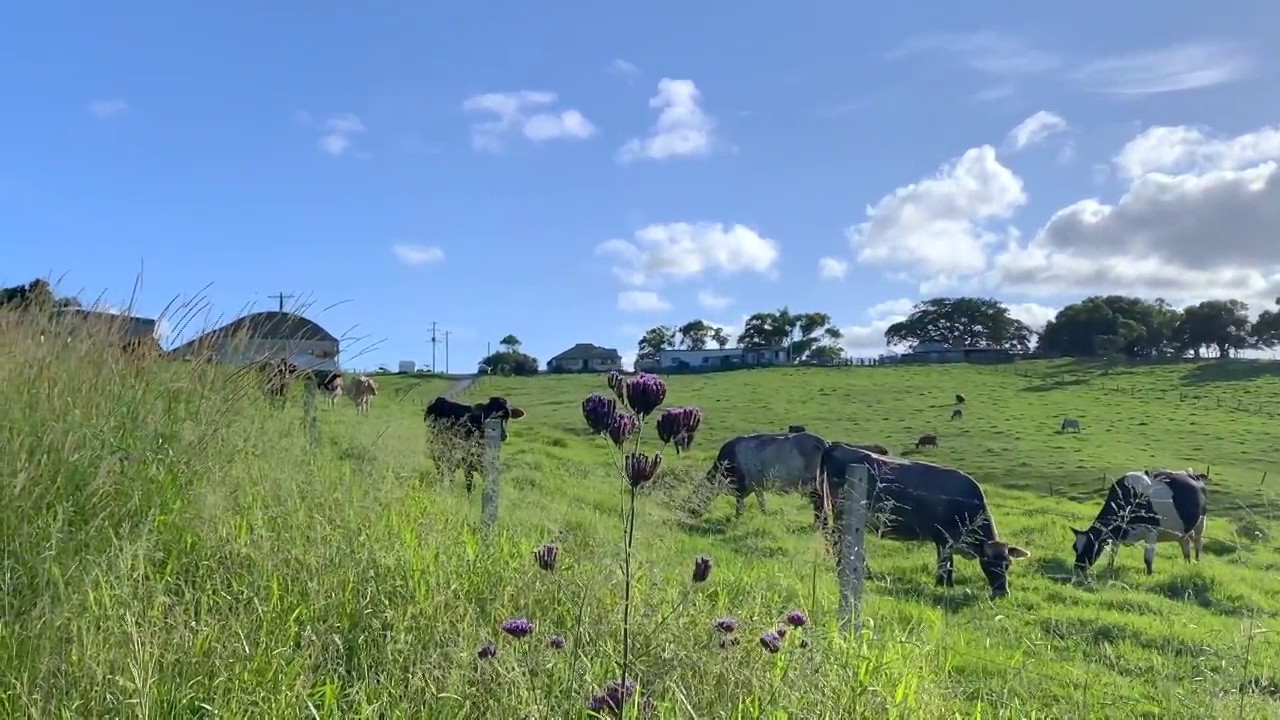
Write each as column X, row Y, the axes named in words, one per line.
column 768, row 461
column 1165, row 506
column 921, row 502
column 461, row 426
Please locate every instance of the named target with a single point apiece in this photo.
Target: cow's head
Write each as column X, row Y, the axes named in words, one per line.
column 995, row 557
column 1088, row 547
column 498, row 407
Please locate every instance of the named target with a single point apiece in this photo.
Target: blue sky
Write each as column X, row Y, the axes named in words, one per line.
column 233, row 152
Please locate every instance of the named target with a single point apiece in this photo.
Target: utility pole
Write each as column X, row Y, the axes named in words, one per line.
column 281, row 297
column 447, row 333
column 433, row 342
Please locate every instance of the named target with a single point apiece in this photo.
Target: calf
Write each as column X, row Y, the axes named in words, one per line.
column 959, row 399
column 927, row 441
column 279, row 374
column 1070, row 424
column 363, row 390
column 914, row 501
column 330, row 383
column 957, row 414
column 1141, row 508
column 755, row 463
column 795, row 428
column 463, row 427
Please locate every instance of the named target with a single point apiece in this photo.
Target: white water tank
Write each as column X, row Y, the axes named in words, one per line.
column 407, row 366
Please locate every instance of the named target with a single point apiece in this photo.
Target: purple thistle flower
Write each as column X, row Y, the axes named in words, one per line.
column 640, row 468
column 613, row 379
column 770, row 641
column 614, row 696
column 701, row 568
column 622, row 426
column 517, row 627
column 598, row 411
column 619, row 385
column 678, row 425
column 645, row 392
column 781, row 630
column 557, row 642
column 487, row 651
column 797, row 618
column 727, row 625
column 546, row 556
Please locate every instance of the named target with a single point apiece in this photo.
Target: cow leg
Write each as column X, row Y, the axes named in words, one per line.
column 945, row 569
column 1199, row 537
column 760, row 499
column 742, row 505
column 1185, row 543
column 1149, row 554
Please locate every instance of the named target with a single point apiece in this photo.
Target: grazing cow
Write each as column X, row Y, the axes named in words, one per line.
column 1070, row 424
column 915, row 501
column 279, row 373
column 795, row 429
column 363, row 390
column 927, row 441
column 330, row 383
column 465, row 424
column 1165, row 507
column 756, row 463
column 957, row 414
column 959, row 399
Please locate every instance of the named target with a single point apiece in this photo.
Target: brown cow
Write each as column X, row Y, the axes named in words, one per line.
column 363, row 390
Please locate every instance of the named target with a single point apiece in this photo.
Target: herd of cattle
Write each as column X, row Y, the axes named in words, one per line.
column 280, row 373
column 909, row 500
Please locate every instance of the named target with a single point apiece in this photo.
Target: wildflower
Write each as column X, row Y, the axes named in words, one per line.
column 618, row 384
column 678, row 425
column 701, row 568
column 613, row 379
column 640, row 468
column 770, row 641
column 598, row 410
column 729, row 641
column 645, row 392
column 726, row 625
column 517, row 627
column 797, row 618
column 621, row 427
column 557, row 642
column 546, row 556
column 781, row 630
column 614, row 696
column 487, row 651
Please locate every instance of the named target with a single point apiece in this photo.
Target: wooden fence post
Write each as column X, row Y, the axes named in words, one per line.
column 492, row 473
column 852, row 565
column 309, row 413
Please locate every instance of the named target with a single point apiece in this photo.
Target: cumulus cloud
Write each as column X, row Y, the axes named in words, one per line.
column 526, row 113
column 684, row 251
column 411, row 254
column 638, row 301
column 683, row 128
column 1185, row 66
column 939, row 226
column 868, row 340
column 830, row 268
column 712, row 301
column 1035, row 129
column 1184, row 148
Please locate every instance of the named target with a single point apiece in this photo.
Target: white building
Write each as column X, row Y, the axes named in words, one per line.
column 709, row 358
column 408, row 366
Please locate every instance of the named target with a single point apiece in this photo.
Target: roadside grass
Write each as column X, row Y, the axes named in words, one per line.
column 174, row 547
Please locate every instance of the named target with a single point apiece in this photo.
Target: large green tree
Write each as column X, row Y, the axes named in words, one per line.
column 694, row 335
column 35, row 295
column 1112, row 325
column 1219, row 324
column 961, row 322
column 1266, row 329
column 804, row 334
column 655, row 340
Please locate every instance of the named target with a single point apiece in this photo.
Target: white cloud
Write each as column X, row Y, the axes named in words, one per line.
column 410, row 254
column 1186, row 66
column 868, row 340
column 1035, row 128
column 108, row 108
column 689, row 250
column 712, row 301
column 623, row 69
column 527, row 113
column 1190, row 149
column 638, row 301
column 338, row 131
column 1036, row 316
column 830, row 268
column 683, row 129
column 989, row 53
column 937, row 226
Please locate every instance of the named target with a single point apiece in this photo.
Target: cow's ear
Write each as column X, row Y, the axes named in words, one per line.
column 1018, row 553
column 516, row 413
column 479, row 407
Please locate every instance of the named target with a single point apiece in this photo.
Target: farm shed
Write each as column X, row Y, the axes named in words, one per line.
column 264, row 336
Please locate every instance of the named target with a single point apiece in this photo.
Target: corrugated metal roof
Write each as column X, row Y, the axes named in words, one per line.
column 268, row 325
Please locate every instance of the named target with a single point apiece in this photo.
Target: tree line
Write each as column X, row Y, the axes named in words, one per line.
column 1097, row 326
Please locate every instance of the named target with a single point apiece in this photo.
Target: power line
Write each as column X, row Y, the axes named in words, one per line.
column 281, row 297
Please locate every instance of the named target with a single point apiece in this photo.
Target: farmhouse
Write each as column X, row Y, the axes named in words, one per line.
column 266, row 335
column 719, row 358
column 934, row 353
column 126, row 327
column 585, row 357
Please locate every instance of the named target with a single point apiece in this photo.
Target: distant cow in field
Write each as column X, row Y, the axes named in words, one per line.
column 1169, row 506
column 959, row 399
column 913, row 501
column 957, row 414
column 1070, row 424
column 795, row 429
column 756, row 463
column 461, row 427
column 278, row 374
column 330, row 383
column 363, row 390
column 927, row 441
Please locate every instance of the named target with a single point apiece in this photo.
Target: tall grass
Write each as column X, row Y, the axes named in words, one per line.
column 174, row 546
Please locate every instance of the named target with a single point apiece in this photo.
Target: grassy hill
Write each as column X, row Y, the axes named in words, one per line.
column 174, row 546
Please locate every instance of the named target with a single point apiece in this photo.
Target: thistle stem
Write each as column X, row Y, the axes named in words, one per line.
column 626, row 589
